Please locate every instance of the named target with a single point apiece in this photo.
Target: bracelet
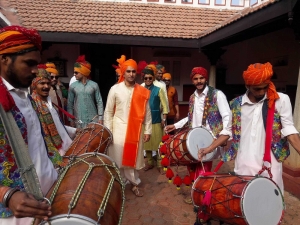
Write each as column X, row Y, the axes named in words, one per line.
column 8, row 195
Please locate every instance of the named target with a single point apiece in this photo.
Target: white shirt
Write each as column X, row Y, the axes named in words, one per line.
column 199, row 108
column 251, row 150
column 65, row 132
column 72, row 80
column 36, row 144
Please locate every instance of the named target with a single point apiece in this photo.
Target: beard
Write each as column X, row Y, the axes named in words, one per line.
column 15, row 80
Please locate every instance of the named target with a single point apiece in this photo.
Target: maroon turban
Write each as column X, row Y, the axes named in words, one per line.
column 199, row 70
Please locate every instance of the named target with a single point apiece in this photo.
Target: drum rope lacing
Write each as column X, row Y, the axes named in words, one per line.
column 223, row 203
column 77, row 193
column 90, row 130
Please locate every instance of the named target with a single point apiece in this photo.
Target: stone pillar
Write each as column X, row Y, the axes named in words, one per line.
column 213, row 55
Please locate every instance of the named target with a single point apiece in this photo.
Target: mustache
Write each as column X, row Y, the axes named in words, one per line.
column 46, row 89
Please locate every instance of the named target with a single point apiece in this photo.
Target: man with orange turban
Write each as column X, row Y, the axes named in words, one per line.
column 262, row 126
column 84, row 99
column 19, row 56
column 127, row 115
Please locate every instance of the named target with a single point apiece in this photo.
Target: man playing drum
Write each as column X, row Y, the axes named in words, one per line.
column 19, row 56
column 208, row 107
column 250, row 113
column 127, row 110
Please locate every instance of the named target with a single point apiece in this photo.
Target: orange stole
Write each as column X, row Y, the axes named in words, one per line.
column 136, row 117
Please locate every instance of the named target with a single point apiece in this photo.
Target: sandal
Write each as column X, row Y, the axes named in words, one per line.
column 161, row 170
column 148, row 167
column 137, row 191
column 188, row 201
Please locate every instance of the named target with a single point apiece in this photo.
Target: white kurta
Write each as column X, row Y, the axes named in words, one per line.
column 251, row 150
column 116, row 120
column 36, row 147
column 65, row 132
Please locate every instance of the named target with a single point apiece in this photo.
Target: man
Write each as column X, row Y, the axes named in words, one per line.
column 172, row 99
column 19, row 56
column 56, row 91
column 157, row 99
column 56, row 135
column 127, row 110
column 84, row 99
column 208, row 107
column 250, row 113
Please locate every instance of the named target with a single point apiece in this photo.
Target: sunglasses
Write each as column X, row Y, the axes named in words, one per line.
column 75, row 72
column 54, row 77
column 166, row 80
column 130, row 71
column 147, row 78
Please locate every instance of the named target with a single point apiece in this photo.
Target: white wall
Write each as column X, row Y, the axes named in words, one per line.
column 70, row 52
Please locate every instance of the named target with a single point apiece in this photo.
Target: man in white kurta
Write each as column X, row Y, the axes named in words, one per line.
column 117, row 117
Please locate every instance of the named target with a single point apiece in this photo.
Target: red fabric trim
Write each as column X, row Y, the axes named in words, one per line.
column 270, row 120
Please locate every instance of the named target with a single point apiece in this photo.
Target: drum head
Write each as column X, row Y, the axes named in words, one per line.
column 198, row 137
column 262, row 202
column 74, row 219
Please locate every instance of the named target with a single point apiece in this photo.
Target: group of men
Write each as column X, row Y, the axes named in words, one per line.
column 134, row 114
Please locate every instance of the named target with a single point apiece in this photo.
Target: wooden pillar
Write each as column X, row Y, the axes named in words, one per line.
column 213, row 55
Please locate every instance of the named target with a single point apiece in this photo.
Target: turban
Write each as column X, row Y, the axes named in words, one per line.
column 16, row 39
column 152, row 67
column 160, row 67
column 200, row 71
column 42, row 74
column 51, row 68
column 148, row 71
column 167, row 76
column 257, row 74
column 123, row 64
column 82, row 66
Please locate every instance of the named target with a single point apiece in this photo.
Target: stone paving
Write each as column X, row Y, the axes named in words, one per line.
column 162, row 203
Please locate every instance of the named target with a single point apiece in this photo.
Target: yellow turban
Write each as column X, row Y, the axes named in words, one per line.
column 153, row 68
column 257, row 74
column 51, row 68
column 82, row 66
column 167, row 76
column 123, row 64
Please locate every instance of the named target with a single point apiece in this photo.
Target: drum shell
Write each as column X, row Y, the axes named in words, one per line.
column 92, row 193
column 95, row 137
column 222, row 191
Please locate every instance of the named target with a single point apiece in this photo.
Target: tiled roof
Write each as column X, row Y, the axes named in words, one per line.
column 115, row 18
column 237, row 16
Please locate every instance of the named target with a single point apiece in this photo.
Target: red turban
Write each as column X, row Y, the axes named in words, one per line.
column 257, row 74
column 14, row 39
column 199, row 70
column 123, row 64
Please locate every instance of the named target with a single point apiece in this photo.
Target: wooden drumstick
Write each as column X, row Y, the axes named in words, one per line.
column 201, row 161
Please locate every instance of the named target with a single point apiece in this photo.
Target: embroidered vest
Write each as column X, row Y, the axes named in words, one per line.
column 211, row 111
column 279, row 146
column 171, row 92
column 154, row 102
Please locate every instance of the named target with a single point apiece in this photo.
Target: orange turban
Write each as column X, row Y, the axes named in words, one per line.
column 16, row 39
column 153, row 68
column 51, row 68
column 123, row 64
column 82, row 66
column 167, row 75
column 257, row 74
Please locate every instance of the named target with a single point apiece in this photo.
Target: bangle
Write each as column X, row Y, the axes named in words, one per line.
column 164, row 119
column 8, row 195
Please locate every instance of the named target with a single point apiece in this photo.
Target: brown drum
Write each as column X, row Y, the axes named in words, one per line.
column 182, row 148
column 94, row 138
column 240, row 200
column 89, row 191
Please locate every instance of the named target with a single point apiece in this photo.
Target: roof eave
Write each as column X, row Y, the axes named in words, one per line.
column 64, row 37
column 248, row 22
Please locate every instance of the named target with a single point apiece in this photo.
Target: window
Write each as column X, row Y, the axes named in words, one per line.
column 204, row 2
column 253, row 2
column 187, row 1
column 220, row 2
column 237, row 2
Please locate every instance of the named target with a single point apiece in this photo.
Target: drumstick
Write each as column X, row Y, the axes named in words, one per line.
column 201, row 161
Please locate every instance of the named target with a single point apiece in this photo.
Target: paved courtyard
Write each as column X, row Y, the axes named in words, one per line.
column 162, row 203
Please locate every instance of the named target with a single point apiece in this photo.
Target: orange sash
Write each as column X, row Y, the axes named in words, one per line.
column 136, row 117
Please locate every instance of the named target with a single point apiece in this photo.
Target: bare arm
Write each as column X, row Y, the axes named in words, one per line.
column 294, row 140
column 219, row 141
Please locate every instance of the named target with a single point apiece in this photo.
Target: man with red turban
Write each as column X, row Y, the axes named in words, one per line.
column 128, row 116
column 19, row 56
column 262, row 126
column 208, row 107
column 84, row 98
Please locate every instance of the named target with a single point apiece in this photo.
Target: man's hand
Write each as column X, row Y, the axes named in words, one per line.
column 177, row 116
column 146, row 137
column 25, row 205
column 163, row 123
column 100, row 121
column 203, row 151
column 169, row 128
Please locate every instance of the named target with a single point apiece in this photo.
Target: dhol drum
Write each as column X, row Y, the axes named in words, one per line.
column 182, row 148
column 89, row 191
column 94, row 138
column 240, row 200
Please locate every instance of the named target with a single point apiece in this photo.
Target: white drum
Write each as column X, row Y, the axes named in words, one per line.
column 72, row 219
